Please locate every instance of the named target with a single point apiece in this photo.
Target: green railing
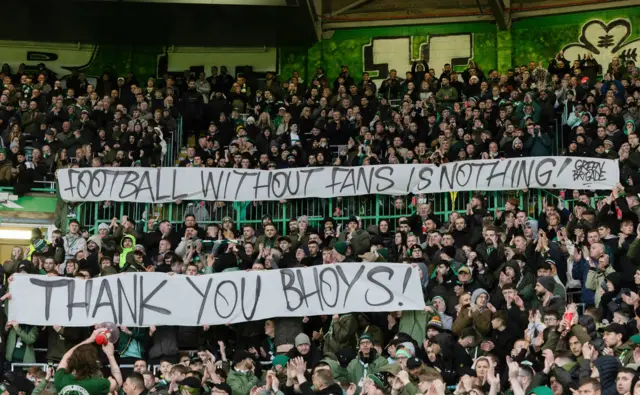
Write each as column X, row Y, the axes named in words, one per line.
column 371, row 209
column 174, row 142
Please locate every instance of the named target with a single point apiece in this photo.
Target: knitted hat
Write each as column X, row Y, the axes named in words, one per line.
column 341, row 248
column 302, row 339
column 547, row 283
column 435, row 323
column 103, row 226
column 280, row 360
column 39, row 245
column 403, row 353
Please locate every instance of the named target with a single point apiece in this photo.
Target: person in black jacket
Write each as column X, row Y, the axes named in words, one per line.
column 192, row 107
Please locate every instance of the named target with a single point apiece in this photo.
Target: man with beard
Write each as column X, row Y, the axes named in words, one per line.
column 367, row 362
column 547, row 301
column 90, row 262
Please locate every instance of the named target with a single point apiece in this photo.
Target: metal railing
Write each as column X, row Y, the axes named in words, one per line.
column 371, row 209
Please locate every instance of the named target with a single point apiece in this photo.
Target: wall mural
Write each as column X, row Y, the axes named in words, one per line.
column 604, row 41
column 602, row 33
column 384, row 54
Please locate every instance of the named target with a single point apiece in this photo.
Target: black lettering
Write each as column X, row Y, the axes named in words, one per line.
column 160, row 197
column 235, row 298
column 243, row 175
column 105, row 288
column 258, row 290
column 334, row 173
column 48, row 290
column 122, row 295
column 306, row 295
column 173, row 192
column 351, row 283
column 288, row 279
column 513, row 172
column 266, row 186
column 130, row 182
column 329, row 269
column 566, row 163
column 215, row 188
column 408, row 188
column 370, row 277
column 71, row 188
column 444, row 174
column 290, row 176
column 145, row 179
column 349, row 181
column 277, row 183
column 523, row 173
column 113, row 181
column 493, row 174
column 462, row 182
column 381, row 176
column 546, row 175
column 203, row 295
column 226, row 185
column 87, row 186
column 362, row 177
column 72, row 304
column 309, row 173
column 422, row 176
column 144, row 301
column 102, row 183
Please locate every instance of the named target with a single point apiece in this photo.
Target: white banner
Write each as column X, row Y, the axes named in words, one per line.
column 145, row 299
column 163, row 185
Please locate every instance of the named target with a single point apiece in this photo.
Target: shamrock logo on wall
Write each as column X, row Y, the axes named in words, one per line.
column 604, row 41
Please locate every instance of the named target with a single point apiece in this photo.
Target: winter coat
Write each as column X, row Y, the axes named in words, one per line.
column 594, row 281
column 341, row 334
column 240, row 382
column 27, row 335
column 357, row 369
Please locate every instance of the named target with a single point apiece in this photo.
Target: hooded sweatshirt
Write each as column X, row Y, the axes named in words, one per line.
column 125, row 251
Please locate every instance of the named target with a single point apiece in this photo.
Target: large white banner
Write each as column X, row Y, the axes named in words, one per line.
column 163, row 185
column 145, row 299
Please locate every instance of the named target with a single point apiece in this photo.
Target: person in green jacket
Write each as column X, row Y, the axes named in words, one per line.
column 131, row 344
column 241, row 378
column 341, row 333
column 368, row 361
column 20, row 342
column 127, row 244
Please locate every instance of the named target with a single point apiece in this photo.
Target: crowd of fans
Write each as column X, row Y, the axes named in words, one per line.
column 513, row 304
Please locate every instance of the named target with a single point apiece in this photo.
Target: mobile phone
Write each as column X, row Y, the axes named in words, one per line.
column 568, row 316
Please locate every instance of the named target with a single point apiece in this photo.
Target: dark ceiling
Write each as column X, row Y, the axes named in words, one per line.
column 435, row 8
column 116, row 22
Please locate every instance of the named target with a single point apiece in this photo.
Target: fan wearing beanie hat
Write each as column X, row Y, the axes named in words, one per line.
column 547, row 283
column 366, row 362
column 304, row 348
column 340, row 251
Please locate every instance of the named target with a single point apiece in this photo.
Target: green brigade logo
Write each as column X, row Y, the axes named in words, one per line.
column 73, row 390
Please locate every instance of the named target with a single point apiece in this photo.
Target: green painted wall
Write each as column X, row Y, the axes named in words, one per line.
column 346, row 47
column 384, row 48
column 541, row 38
column 532, row 39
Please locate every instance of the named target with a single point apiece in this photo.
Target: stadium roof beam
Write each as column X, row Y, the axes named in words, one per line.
column 503, row 19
